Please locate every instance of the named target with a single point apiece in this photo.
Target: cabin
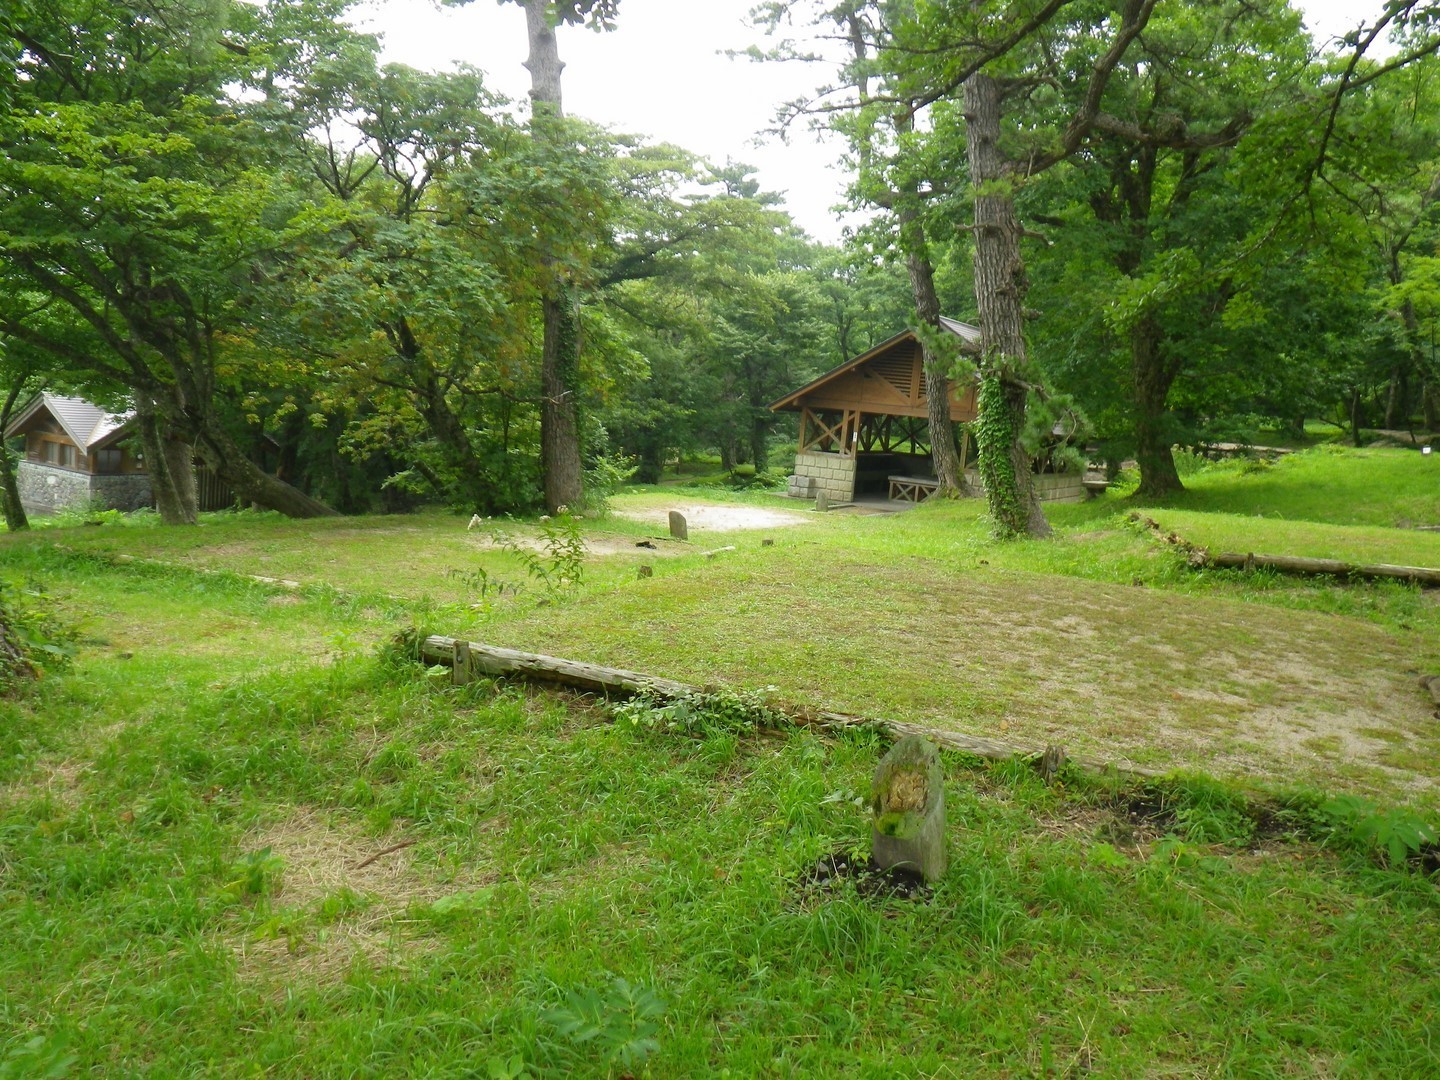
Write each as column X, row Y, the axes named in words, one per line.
column 864, row 427
column 76, row 455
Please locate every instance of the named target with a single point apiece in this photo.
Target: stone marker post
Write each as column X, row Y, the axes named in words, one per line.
column 678, row 529
column 908, row 800
column 822, row 501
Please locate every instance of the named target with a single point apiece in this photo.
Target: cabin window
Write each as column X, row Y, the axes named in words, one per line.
column 108, row 462
column 54, row 452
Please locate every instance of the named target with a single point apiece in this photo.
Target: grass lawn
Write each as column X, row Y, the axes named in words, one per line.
column 236, row 839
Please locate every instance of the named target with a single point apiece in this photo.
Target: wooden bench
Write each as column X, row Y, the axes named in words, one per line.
column 914, row 489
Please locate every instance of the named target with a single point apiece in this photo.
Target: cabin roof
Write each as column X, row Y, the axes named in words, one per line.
column 88, row 426
column 968, row 334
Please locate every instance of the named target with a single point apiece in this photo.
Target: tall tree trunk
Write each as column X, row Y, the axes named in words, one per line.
column 1153, row 377
column 1397, row 413
column 1430, row 404
column 1396, row 410
column 760, row 441
column 560, row 350
column 564, row 477
column 179, row 458
column 174, row 497
column 650, row 459
column 15, row 518
column 937, row 379
column 1355, row 415
column 1000, row 286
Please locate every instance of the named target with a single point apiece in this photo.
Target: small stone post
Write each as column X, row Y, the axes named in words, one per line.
column 678, row 529
column 822, row 500
column 908, row 800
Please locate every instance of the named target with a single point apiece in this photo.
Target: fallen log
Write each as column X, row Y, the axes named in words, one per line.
column 1290, row 564
column 1201, row 558
column 471, row 658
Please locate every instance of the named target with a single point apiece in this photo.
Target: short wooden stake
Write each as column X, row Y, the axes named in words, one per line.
column 461, row 670
column 908, row 801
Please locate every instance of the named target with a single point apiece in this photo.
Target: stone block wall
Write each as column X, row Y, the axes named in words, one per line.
column 1060, row 487
column 1050, row 487
column 833, row 474
column 45, row 489
column 127, row 492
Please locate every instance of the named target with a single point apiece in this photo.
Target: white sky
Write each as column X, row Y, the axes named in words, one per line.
column 662, row 74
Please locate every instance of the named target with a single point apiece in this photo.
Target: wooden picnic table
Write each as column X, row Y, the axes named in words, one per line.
column 914, row 489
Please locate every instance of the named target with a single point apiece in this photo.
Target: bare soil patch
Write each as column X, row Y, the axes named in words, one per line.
column 604, row 544
column 1130, row 676
column 720, row 517
column 322, row 857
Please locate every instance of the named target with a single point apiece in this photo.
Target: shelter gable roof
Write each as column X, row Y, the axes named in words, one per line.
column 84, row 422
column 967, row 333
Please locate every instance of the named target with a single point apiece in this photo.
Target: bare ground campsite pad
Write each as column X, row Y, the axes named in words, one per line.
column 1114, row 673
column 941, row 633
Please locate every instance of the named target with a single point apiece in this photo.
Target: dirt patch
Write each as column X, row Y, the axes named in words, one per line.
column 321, row 857
column 328, row 859
column 58, row 781
column 1129, row 676
column 595, row 544
column 832, row 872
column 719, row 517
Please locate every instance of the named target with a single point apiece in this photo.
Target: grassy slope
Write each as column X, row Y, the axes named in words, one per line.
column 181, row 879
column 180, row 868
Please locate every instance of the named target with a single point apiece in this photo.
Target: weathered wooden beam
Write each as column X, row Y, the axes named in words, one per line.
column 1201, row 558
column 621, row 683
column 1291, row 564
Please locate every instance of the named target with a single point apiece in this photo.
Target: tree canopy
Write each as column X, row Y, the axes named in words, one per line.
column 342, row 284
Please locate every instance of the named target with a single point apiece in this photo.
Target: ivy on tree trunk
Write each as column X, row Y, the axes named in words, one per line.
column 1000, row 286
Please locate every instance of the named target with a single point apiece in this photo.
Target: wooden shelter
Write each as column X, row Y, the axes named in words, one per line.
column 864, row 426
column 76, row 455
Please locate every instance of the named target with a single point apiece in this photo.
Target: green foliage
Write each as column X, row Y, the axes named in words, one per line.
column 1207, row 812
column 703, row 713
column 35, row 639
column 37, row 1058
column 257, row 874
column 1392, row 835
column 560, row 562
column 996, row 433
column 605, row 474
column 617, row 1025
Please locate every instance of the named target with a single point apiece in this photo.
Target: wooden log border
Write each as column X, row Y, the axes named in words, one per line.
column 471, row 659
column 1200, row 558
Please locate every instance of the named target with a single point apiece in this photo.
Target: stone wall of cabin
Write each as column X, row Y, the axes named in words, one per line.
column 1050, row 487
column 815, row 472
column 125, row 491
column 47, row 489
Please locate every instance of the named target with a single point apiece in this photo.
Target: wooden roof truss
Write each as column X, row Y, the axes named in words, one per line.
column 833, row 431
